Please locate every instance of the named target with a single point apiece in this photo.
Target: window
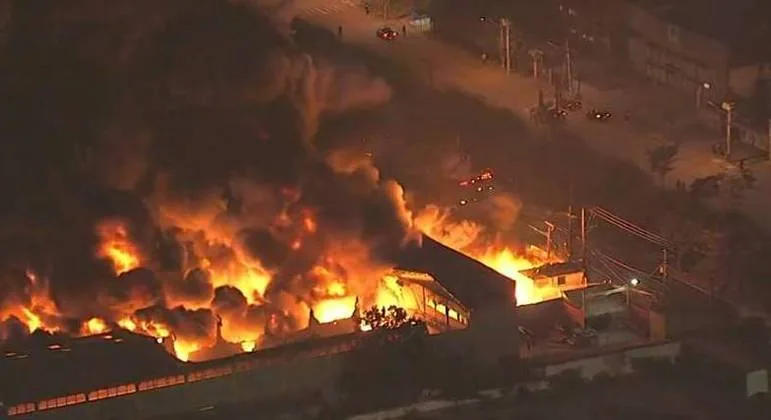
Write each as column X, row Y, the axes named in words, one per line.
column 561, row 280
column 453, row 314
column 441, row 308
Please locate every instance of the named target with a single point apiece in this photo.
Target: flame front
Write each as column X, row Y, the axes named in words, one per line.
column 116, row 246
column 215, row 263
column 464, row 236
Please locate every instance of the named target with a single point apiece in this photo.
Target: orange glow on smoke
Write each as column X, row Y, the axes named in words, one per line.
column 116, row 245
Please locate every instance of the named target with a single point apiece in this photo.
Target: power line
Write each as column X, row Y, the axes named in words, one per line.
column 626, row 266
column 630, row 227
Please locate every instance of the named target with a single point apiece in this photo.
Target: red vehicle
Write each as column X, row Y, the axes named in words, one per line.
column 386, row 33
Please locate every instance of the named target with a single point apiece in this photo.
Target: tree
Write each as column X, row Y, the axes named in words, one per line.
column 661, row 159
column 389, row 365
column 737, row 185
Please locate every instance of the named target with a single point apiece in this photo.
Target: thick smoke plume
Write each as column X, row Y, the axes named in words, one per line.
column 162, row 166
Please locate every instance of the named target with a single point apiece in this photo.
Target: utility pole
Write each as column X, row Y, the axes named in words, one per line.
column 549, row 231
column 386, row 4
column 548, row 234
column 769, row 140
column 729, row 120
column 536, row 54
column 505, row 41
column 570, row 232
column 583, row 260
column 568, row 67
column 700, row 89
column 583, row 236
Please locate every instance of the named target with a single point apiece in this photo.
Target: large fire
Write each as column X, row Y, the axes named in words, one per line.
column 334, row 295
column 464, row 236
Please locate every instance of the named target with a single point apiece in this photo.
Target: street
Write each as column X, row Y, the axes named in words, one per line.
column 449, row 68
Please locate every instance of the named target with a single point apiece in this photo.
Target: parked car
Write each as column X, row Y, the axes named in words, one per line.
column 598, row 115
column 386, row 33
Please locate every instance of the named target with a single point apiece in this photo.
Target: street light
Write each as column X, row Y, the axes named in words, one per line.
column 700, row 93
column 634, row 282
column 728, row 107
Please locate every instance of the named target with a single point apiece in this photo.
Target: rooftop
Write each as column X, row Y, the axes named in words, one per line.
column 554, row 269
column 81, row 364
column 474, row 284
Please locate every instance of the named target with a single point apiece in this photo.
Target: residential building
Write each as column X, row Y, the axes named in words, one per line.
column 597, row 26
column 712, row 48
column 563, row 276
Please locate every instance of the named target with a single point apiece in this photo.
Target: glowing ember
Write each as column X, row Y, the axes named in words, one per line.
column 117, row 247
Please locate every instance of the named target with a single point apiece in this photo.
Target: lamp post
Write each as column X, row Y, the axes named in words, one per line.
column 728, row 107
column 700, row 90
column 506, row 44
column 536, row 55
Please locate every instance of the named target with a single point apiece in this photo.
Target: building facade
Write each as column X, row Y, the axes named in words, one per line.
column 563, row 276
column 709, row 53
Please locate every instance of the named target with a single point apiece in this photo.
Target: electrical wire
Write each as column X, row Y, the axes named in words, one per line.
column 630, row 227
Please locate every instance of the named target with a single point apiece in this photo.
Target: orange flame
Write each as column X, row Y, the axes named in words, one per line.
column 96, row 326
column 38, row 313
column 184, row 349
column 464, row 236
column 116, row 246
column 337, row 281
column 333, row 309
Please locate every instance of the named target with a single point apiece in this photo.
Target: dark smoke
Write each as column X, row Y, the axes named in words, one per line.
column 194, row 289
column 190, row 326
column 157, row 114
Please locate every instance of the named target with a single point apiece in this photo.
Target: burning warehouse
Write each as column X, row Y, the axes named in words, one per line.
column 194, row 204
column 84, row 380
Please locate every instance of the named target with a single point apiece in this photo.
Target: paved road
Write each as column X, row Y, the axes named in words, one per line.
column 448, row 67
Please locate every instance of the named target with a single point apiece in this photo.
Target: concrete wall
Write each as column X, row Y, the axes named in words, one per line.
column 613, row 362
